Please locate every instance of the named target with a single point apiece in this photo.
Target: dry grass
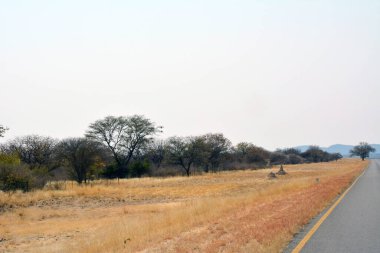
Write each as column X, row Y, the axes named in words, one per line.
column 239, row 211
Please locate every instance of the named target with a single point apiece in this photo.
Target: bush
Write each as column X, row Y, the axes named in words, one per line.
column 110, row 171
column 139, row 168
column 11, row 159
column 278, row 158
column 15, row 177
column 294, row 159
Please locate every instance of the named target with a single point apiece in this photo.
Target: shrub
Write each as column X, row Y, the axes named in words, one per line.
column 139, row 168
column 11, row 159
column 294, row 159
column 15, row 177
column 110, row 171
column 278, row 158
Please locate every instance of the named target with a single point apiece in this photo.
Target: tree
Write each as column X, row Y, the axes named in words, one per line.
column 217, row 147
column 258, row 155
column 289, row 156
column 187, row 151
column 249, row 153
column 362, row 150
column 36, row 151
column 314, row 154
column 288, row 151
column 17, row 177
column 278, row 158
column 242, row 149
column 123, row 136
column 80, row 155
column 156, row 152
column 3, row 130
column 335, row 156
column 294, row 159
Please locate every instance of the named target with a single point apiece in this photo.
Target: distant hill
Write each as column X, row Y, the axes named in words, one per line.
column 343, row 149
column 339, row 148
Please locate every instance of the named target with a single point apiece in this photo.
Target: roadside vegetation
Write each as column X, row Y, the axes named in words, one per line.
column 129, row 147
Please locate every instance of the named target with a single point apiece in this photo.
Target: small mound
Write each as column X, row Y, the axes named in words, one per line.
column 271, row 175
column 281, row 171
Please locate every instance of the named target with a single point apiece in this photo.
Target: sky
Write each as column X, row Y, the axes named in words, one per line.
column 274, row 73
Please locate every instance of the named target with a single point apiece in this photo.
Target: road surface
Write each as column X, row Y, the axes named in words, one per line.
column 354, row 225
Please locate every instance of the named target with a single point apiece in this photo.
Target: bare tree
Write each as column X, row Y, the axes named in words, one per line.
column 362, row 150
column 34, row 150
column 124, row 136
column 80, row 154
column 3, row 130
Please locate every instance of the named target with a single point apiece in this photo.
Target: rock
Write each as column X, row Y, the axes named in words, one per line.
column 281, row 171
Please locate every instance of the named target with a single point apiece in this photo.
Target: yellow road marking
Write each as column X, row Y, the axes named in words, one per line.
column 307, row 237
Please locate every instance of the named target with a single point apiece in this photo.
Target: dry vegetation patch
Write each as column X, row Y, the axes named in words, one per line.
column 240, row 211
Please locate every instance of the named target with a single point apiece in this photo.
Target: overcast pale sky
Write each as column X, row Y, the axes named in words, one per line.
column 275, row 73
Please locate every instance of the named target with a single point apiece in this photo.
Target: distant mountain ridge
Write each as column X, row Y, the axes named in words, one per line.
column 341, row 148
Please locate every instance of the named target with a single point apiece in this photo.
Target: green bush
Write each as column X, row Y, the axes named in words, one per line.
column 139, row 168
column 110, row 171
column 11, row 159
column 16, row 177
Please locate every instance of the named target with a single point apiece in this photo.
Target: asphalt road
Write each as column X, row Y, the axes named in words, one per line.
column 354, row 225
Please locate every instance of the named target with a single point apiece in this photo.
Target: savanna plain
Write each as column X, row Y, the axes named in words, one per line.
column 234, row 211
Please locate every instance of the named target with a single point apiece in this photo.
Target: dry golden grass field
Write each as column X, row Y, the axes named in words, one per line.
column 236, row 211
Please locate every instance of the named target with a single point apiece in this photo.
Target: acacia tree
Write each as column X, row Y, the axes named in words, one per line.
column 187, row 151
column 2, row 130
column 80, row 154
column 123, row 136
column 362, row 150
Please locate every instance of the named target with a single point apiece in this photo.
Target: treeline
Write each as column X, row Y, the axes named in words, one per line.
column 124, row 147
